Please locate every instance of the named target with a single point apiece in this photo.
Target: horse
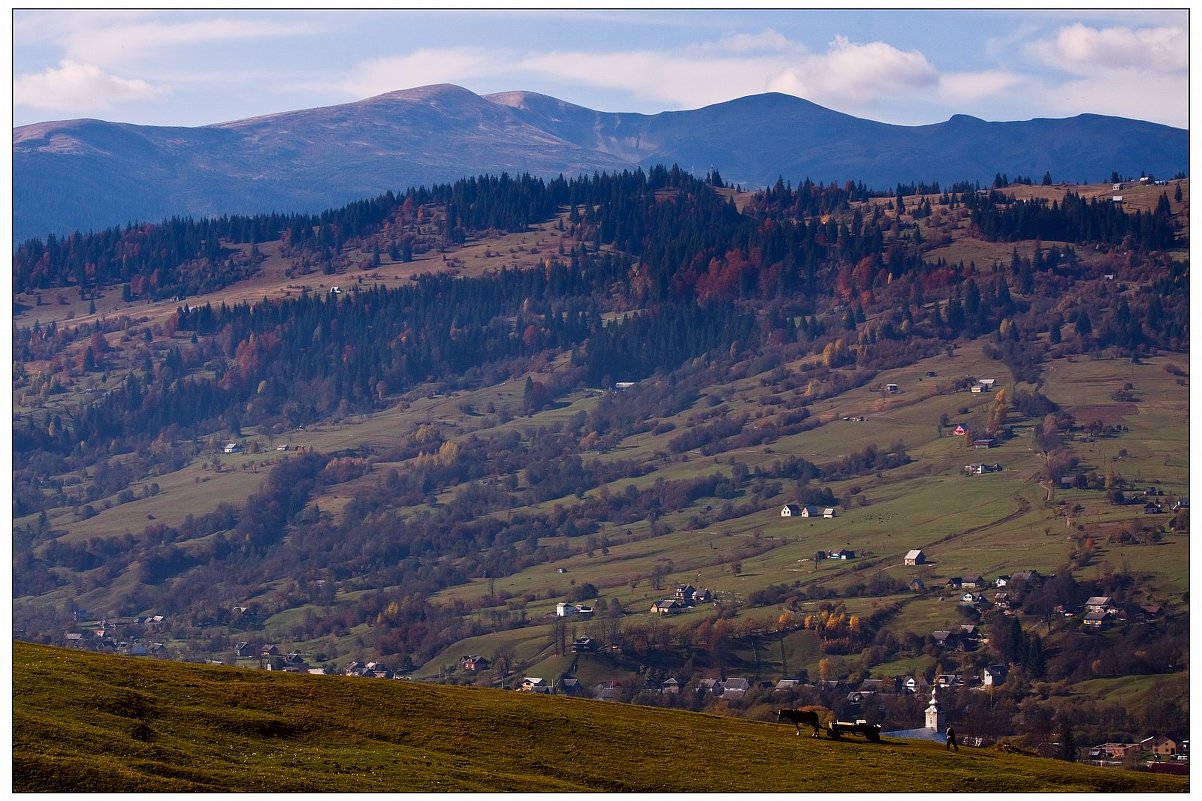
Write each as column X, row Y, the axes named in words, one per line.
column 800, row 716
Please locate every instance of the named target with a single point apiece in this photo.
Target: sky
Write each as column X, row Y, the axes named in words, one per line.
column 188, row 68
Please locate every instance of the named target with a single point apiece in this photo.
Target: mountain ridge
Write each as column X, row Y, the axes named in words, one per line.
column 91, row 174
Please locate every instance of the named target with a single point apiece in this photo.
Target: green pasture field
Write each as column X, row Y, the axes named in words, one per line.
column 990, row 524
column 1131, row 690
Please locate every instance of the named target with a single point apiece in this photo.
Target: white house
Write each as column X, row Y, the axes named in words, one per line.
column 534, row 684
column 565, row 610
column 735, row 687
column 790, row 510
column 232, row 447
column 828, row 512
column 993, row 675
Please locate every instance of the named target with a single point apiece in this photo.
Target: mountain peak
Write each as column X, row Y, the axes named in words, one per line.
column 434, row 91
column 312, row 159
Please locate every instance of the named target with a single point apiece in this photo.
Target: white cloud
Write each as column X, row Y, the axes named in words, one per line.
column 115, row 39
column 1084, row 51
column 679, row 81
column 766, row 40
column 730, row 66
column 959, row 88
column 856, row 74
column 78, row 87
column 1129, row 95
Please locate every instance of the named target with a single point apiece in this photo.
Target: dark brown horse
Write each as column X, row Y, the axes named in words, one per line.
column 800, row 716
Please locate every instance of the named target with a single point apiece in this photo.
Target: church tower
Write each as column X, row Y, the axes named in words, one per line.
column 936, row 719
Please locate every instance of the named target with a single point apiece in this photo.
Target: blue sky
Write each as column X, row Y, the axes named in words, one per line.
column 190, row 68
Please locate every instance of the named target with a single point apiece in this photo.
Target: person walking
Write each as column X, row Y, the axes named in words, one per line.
column 951, row 740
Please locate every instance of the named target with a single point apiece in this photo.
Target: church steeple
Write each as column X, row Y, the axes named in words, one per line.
column 936, row 719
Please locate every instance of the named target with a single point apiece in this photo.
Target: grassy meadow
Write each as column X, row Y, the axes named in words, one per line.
column 92, row 723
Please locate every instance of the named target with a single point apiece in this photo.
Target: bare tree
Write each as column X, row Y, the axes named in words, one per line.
column 504, row 662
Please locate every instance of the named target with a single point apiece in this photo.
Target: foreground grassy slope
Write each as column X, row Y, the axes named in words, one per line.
column 102, row 723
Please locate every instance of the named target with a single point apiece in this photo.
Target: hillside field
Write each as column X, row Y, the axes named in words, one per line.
column 93, row 723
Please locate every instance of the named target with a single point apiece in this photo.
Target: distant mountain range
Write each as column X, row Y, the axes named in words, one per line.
column 90, row 174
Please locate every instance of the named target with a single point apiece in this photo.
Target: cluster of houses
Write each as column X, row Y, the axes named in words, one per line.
column 579, row 611
column 838, row 553
column 369, row 670
column 807, row 510
column 686, row 597
column 1097, row 612
column 272, row 658
column 119, row 635
column 734, row 688
column 981, row 469
column 971, row 589
column 1158, row 752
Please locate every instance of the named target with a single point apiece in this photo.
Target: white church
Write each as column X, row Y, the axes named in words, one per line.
column 936, row 724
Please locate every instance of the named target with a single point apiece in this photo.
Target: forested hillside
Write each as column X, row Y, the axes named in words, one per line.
column 403, row 430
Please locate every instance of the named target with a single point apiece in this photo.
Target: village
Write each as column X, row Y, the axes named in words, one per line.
column 845, row 699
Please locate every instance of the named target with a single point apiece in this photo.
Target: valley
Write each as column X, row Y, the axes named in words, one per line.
column 615, row 401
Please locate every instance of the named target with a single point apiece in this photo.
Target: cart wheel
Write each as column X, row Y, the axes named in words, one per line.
column 873, row 736
column 835, row 735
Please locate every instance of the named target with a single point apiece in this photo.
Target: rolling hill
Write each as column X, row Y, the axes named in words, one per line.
column 91, row 174
column 89, row 723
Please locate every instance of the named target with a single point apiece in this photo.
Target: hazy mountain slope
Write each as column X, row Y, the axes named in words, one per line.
column 86, row 174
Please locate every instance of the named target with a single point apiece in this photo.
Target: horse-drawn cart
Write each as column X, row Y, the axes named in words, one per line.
column 870, row 731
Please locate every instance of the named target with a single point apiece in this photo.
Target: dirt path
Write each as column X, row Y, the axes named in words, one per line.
column 1024, row 506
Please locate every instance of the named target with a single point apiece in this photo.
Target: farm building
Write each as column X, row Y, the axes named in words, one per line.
column 668, row 606
column 535, row 684
column 916, row 557
column 790, row 510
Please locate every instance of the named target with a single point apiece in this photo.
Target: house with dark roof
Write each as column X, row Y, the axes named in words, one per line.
column 735, row 687
column 994, row 675
column 473, row 663
column 948, row 639
column 535, row 684
column 585, row 645
column 569, row 685
column 667, row 606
